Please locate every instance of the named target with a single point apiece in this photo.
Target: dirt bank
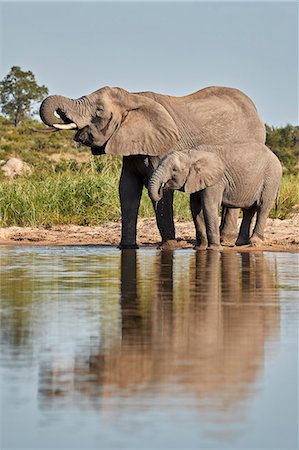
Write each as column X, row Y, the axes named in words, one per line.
column 281, row 235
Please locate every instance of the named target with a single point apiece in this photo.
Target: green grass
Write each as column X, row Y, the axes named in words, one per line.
column 62, row 198
column 91, row 198
column 68, row 198
column 288, row 202
column 72, row 192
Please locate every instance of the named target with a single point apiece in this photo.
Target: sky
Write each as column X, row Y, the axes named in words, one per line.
column 173, row 48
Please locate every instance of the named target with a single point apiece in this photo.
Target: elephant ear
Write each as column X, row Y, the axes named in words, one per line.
column 146, row 129
column 206, row 169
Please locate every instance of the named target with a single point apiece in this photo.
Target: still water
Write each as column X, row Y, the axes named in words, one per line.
column 148, row 349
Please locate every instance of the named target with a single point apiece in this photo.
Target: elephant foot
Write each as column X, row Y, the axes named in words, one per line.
column 127, row 246
column 215, row 247
column 228, row 240
column 256, row 240
column 242, row 241
column 171, row 244
column 201, row 246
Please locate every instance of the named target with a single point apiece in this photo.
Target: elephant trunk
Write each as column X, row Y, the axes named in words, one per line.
column 70, row 113
column 157, row 181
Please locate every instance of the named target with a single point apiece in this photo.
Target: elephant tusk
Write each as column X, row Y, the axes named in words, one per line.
column 160, row 192
column 65, row 126
column 44, row 130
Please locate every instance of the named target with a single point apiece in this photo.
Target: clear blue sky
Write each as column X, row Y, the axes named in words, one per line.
column 173, row 47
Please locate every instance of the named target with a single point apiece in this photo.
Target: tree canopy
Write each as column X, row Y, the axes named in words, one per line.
column 19, row 92
column 284, row 142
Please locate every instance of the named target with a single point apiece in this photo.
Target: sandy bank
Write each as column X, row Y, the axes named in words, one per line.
column 280, row 235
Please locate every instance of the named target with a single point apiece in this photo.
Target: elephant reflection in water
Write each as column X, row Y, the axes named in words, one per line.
column 202, row 327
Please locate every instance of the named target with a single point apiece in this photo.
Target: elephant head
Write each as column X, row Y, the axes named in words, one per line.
column 114, row 121
column 191, row 170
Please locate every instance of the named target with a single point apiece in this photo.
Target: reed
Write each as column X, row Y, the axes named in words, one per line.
column 89, row 197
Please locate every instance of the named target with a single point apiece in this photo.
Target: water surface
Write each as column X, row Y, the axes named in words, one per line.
column 148, row 349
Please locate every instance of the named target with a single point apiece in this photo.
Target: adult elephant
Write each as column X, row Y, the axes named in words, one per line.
column 145, row 126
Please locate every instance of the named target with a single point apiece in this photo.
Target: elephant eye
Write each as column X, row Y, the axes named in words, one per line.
column 175, row 169
column 99, row 111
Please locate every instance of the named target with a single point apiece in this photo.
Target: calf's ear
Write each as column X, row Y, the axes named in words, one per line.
column 206, row 169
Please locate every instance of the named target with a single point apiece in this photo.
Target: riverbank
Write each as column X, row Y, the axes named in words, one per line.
column 280, row 235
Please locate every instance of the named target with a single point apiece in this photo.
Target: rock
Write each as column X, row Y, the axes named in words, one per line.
column 13, row 167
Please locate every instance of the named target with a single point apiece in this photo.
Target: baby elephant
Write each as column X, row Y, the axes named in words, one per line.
column 243, row 176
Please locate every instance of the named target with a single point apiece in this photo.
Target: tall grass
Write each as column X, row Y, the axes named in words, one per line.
column 288, row 202
column 59, row 199
column 91, row 198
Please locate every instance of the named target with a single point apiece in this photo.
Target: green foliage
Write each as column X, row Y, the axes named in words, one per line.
column 18, row 94
column 92, row 198
column 288, row 202
column 63, row 198
column 284, row 142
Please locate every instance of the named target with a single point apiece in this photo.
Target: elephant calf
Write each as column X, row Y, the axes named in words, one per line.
column 243, row 176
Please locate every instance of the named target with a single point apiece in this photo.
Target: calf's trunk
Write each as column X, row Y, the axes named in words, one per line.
column 158, row 179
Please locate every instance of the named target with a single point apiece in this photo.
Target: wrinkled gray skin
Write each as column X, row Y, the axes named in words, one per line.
column 143, row 127
column 243, row 176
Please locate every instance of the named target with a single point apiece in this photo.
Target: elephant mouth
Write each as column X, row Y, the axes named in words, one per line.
column 86, row 137
column 182, row 188
column 161, row 190
column 98, row 150
column 170, row 185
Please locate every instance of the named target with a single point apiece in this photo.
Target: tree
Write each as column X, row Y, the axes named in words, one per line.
column 18, row 93
column 284, row 142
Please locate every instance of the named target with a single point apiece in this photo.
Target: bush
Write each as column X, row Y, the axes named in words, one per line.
column 288, row 201
column 284, row 142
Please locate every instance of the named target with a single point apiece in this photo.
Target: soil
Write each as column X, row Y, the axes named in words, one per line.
column 280, row 235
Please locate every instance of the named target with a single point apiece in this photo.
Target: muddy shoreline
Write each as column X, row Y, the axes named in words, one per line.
column 280, row 235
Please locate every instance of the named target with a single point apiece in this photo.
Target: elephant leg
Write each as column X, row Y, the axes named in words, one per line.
column 212, row 198
column 268, row 196
column 244, row 233
column 198, row 219
column 260, row 225
column 130, row 190
column 165, row 222
column 229, row 225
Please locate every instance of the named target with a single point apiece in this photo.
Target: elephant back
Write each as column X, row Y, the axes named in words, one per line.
column 214, row 115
